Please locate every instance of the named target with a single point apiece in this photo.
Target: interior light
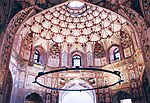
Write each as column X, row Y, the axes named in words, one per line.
column 76, row 8
column 76, row 4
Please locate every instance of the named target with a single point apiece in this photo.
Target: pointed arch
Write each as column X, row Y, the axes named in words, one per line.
column 120, row 95
column 34, row 97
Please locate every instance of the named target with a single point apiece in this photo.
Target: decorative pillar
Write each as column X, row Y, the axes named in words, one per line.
column 31, row 55
column 121, row 53
column 69, row 55
column 85, row 56
column 93, row 46
column 107, row 57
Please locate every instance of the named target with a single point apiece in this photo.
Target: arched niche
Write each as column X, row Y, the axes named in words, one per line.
column 64, row 59
column 100, row 58
column 54, row 55
column 127, row 44
column 48, row 98
column 89, row 59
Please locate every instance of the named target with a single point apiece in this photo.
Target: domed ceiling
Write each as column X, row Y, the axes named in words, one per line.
column 76, row 23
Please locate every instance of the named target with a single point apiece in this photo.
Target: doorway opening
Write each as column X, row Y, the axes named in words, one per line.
column 77, row 96
column 122, row 97
column 33, row 98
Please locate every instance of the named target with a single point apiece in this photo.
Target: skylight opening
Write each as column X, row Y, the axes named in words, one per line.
column 76, row 8
column 76, row 4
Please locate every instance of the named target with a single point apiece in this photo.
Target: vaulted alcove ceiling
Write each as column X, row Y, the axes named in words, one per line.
column 74, row 24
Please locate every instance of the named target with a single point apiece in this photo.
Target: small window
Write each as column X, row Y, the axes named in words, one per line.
column 76, row 60
column 116, row 54
column 36, row 56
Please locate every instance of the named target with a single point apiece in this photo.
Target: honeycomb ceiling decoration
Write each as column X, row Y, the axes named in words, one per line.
column 75, row 23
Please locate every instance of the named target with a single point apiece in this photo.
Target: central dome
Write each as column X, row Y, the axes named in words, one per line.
column 59, row 25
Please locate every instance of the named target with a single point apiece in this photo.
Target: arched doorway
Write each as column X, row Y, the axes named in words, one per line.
column 33, row 97
column 146, row 87
column 121, row 97
column 77, row 96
